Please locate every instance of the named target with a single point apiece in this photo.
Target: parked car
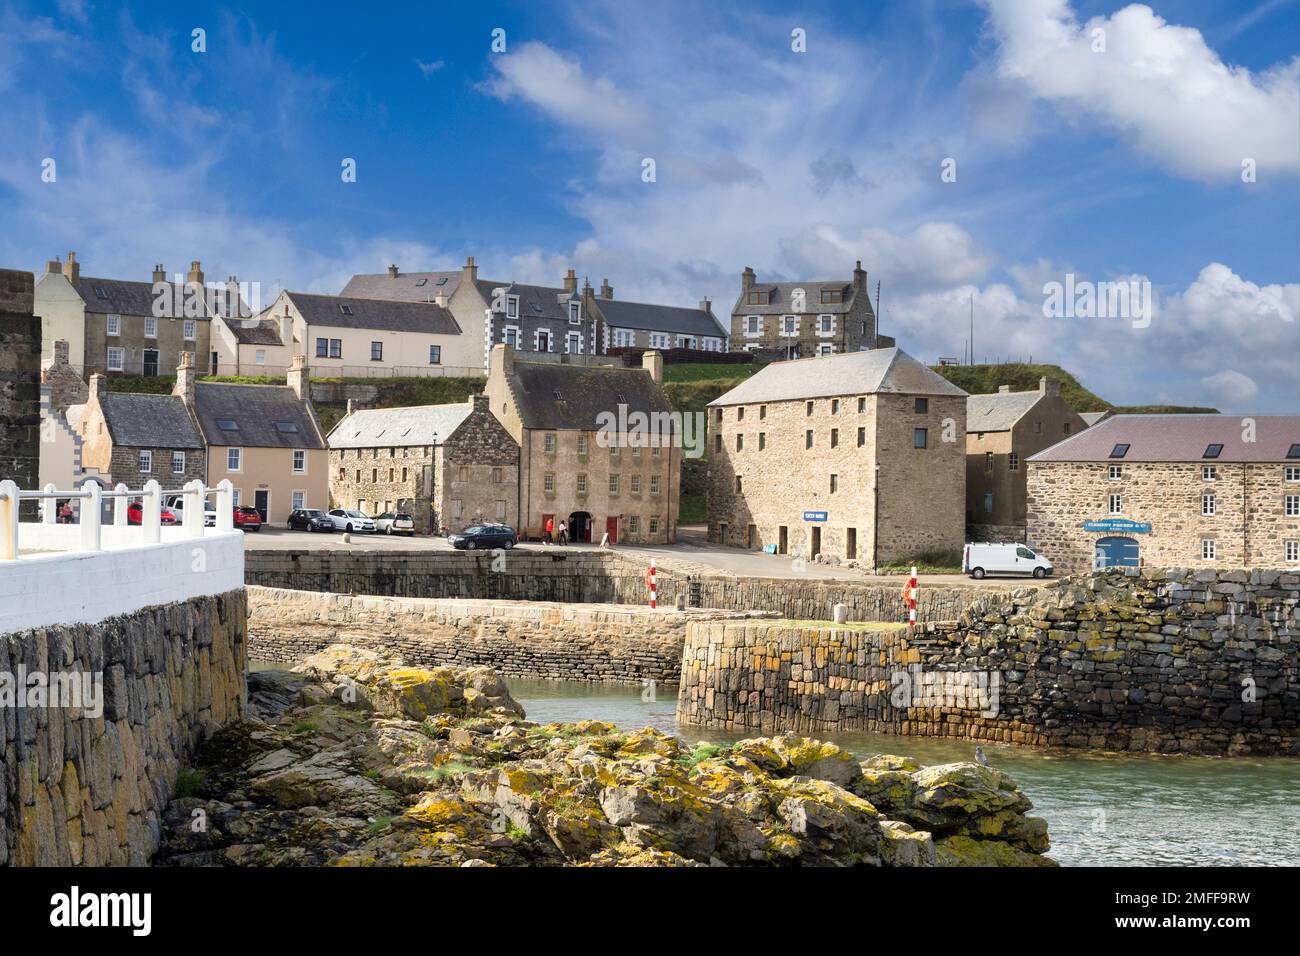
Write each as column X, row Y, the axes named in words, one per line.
column 248, row 518
column 310, row 519
column 135, row 514
column 349, row 519
column 177, row 505
column 395, row 522
column 484, row 536
column 979, row 560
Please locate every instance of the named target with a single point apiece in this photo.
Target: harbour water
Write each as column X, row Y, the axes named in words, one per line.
column 1101, row 809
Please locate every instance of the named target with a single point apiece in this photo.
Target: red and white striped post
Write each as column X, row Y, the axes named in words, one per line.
column 909, row 593
column 651, row 578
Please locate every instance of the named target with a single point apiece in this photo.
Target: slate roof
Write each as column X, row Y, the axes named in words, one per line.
column 255, row 409
column 385, row 315
column 850, row 373
column 138, row 420
column 265, row 332
column 1180, row 438
column 659, row 318
column 535, row 301
column 782, row 294
column 414, row 425
column 120, row 296
column 572, row 396
column 998, row 412
column 407, row 287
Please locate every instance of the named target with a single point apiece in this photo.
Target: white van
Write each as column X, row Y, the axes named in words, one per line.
column 977, row 560
column 176, row 505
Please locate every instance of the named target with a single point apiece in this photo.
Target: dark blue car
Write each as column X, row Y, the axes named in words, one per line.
column 485, row 537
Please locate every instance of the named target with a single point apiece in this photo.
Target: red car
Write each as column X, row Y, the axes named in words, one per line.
column 248, row 518
column 135, row 514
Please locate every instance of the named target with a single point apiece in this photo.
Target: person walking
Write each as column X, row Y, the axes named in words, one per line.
column 546, row 531
column 564, row 533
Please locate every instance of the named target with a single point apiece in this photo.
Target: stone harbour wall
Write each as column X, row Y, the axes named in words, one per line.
column 592, row 642
column 83, row 790
column 1173, row 661
column 596, row 577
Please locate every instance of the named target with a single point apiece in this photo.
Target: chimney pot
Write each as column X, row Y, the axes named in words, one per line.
column 392, row 271
column 606, row 290
column 72, row 268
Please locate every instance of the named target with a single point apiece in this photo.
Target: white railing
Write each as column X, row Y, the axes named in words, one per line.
column 90, row 519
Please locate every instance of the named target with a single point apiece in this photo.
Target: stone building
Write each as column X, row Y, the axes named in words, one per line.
column 1187, row 491
column 20, row 379
column 806, row 318
column 860, row 456
column 63, row 403
column 600, row 447
column 131, row 437
column 264, row 438
column 1002, row 430
column 538, row 321
column 445, row 465
column 646, row 326
column 355, row 337
column 122, row 327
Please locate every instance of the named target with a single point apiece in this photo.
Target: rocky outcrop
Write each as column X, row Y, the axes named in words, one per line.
column 357, row 760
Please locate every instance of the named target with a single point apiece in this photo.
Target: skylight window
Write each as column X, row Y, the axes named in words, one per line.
column 421, row 281
column 288, row 428
column 345, row 309
column 228, row 424
column 1119, row 451
column 100, row 293
column 442, row 281
column 558, row 396
column 1293, row 451
column 1212, row 451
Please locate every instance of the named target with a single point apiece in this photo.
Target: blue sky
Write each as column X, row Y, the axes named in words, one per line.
column 1105, row 164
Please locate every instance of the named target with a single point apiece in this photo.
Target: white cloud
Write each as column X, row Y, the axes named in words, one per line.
column 1230, row 388
column 1157, row 83
column 428, row 69
column 560, row 87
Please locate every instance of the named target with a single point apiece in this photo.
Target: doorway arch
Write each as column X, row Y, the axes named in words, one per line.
column 1116, row 551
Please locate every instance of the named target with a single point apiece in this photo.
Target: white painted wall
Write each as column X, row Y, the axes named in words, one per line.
column 50, row 583
column 63, row 316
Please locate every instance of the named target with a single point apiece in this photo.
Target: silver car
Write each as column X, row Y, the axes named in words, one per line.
column 349, row 519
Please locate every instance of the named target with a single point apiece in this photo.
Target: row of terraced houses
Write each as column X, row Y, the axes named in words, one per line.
column 841, row 446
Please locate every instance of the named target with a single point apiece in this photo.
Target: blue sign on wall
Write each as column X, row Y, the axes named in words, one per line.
column 1118, row 526
column 814, row 516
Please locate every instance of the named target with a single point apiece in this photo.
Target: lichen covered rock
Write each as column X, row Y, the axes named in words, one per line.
column 356, row 760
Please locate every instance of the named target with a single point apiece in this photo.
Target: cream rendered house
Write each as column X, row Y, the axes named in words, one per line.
column 254, row 346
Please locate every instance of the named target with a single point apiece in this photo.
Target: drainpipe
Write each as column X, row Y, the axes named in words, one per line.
column 875, row 524
column 1245, row 520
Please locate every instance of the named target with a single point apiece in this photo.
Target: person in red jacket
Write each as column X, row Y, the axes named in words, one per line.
column 546, row 534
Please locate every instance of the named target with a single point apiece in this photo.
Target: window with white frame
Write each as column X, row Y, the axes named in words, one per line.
column 826, row 348
column 510, row 336
column 1208, row 550
column 573, row 343
column 1116, row 505
column 190, row 329
column 1293, row 506
column 435, row 354
column 753, row 324
column 501, row 509
column 575, row 313
column 634, row 524
column 512, row 306
column 116, row 357
column 654, row 484
column 144, row 462
column 789, row 325
column 1292, row 551
column 1209, row 472
column 548, row 483
column 234, row 497
column 1207, row 505
column 299, row 461
column 113, row 325
column 299, row 500
column 150, row 327
column 613, row 484
column 1013, row 462
column 178, row 463
column 233, row 458
column 1116, row 472
column 581, row 484
column 1293, row 472
column 583, row 444
column 259, row 357
column 636, row 484
column 825, row 324
column 548, row 443
column 654, row 524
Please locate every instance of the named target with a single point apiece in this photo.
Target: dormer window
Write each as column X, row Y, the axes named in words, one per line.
column 1213, row 451
column 1293, row 451
column 512, row 306
column 757, row 297
column 832, row 295
column 575, row 313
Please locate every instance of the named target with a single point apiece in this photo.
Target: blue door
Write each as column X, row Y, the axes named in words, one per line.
column 1116, row 552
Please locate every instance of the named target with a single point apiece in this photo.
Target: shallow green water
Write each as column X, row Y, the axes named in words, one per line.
column 1100, row 810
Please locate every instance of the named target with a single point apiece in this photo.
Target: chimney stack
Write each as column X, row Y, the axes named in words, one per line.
column 653, row 362
column 350, row 409
column 54, row 266
column 195, row 275
column 232, row 297
column 185, row 379
column 159, row 273
column 286, row 330
column 98, row 387
column 60, row 352
column 72, row 268
column 501, row 360
column 747, row 279
column 1004, row 389
column 571, row 282
column 606, row 290
column 706, row 305
column 480, row 402
column 392, row 271
column 297, row 377
column 440, row 297
column 470, row 272
column 859, row 277
column 1049, row 386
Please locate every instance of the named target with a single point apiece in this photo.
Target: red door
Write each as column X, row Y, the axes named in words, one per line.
column 611, row 529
